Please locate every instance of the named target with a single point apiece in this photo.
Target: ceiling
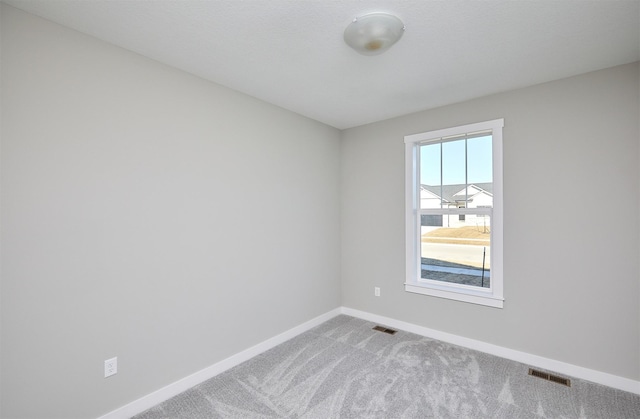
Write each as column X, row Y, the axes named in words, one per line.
column 291, row 52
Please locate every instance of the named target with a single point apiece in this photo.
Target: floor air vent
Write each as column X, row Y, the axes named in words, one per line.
column 385, row 330
column 550, row 377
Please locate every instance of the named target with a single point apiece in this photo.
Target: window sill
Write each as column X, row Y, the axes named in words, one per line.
column 467, row 297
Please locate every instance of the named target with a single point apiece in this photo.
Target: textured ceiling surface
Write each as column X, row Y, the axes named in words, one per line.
column 292, row 54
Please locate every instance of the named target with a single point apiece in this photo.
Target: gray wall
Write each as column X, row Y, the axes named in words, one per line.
column 571, row 204
column 150, row 215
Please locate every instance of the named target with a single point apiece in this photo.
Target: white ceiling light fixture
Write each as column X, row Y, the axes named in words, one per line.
column 373, row 33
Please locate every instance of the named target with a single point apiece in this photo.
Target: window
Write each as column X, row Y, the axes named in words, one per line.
column 461, row 217
column 454, row 213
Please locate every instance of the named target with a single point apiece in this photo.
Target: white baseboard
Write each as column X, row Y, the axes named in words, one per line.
column 599, row 377
column 173, row 389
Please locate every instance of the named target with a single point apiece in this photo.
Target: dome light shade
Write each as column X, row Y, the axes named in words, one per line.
column 374, row 33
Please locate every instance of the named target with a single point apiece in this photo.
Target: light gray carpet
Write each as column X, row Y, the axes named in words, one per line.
column 344, row 369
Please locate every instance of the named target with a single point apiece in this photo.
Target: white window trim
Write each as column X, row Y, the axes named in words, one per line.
column 493, row 296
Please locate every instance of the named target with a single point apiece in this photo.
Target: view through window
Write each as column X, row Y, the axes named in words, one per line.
column 456, row 184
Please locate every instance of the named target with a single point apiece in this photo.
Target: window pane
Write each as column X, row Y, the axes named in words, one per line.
column 479, row 158
column 453, row 163
column 430, row 191
column 460, row 253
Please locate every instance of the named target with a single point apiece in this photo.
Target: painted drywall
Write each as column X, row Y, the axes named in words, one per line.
column 150, row 215
column 571, row 194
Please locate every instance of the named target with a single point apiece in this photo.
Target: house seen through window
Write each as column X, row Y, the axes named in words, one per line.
column 453, row 224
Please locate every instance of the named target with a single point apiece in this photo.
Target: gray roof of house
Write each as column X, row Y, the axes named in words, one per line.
column 448, row 191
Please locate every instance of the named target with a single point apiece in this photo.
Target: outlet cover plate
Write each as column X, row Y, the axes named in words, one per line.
column 110, row 367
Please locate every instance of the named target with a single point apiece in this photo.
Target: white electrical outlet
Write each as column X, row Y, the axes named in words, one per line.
column 376, row 291
column 110, row 367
